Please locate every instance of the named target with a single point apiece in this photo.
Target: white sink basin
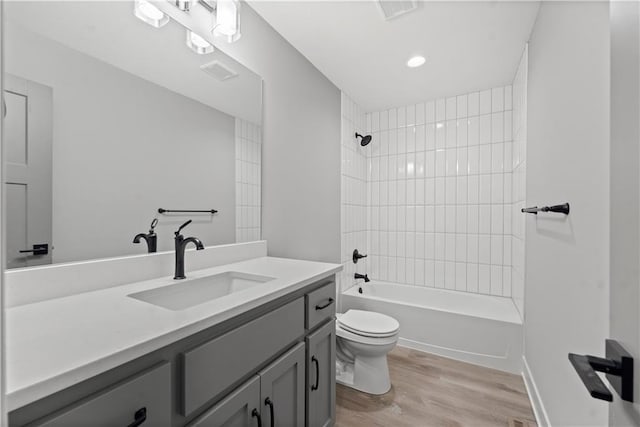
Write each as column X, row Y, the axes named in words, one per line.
column 189, row 293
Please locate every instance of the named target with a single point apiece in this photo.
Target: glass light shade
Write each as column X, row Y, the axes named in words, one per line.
column 227, row 19
column 147, row 12
column 183, row 5
column 198, row 44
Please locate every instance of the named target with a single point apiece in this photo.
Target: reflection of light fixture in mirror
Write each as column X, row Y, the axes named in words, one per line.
column 183, row 5
column 150, row 14
column 198, row 44
column 227, row 19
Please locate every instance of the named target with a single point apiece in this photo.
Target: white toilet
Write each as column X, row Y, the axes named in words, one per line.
column 363, row 340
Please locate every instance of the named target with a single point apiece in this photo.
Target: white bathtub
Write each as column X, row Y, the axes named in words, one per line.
column 480, row 329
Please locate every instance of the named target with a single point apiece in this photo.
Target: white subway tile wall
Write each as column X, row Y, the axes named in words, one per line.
column 440, row 193
column 519, row 184
column 353, row 191
column 248, row 180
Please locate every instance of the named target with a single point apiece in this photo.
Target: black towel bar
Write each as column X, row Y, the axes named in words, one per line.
column 563, row 208
column 162, row 211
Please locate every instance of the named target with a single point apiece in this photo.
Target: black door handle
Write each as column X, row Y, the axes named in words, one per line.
column 323, row 306
column 256, row 414
column 314, row 360
column 618, row 366
column 139, row 417
column 38, row 249
column 269, row 403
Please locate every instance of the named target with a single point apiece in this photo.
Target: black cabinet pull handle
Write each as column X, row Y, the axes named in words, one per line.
column 139, row 417
column 256, row 414
column 314, row 360
column 323, row 306
column 38, row 249
column 269, row 403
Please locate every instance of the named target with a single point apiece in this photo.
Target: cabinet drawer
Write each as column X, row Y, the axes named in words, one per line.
column 121, row 404
column 216, row 365
column 321, row 305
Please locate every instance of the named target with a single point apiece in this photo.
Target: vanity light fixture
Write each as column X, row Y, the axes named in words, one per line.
column 227, row 20
column 147, row 12
column 198, row 44
column 183, row 5
column 416, row 61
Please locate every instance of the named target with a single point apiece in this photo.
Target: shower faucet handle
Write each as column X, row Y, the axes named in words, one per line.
column 356, row 256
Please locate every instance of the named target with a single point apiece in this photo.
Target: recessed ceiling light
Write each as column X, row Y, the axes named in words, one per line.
column 416, row 61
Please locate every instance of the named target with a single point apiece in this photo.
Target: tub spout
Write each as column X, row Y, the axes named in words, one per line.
column 362, row 276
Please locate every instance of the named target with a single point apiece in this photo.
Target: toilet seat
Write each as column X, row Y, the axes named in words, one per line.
column 373, row 341
column 368, row 324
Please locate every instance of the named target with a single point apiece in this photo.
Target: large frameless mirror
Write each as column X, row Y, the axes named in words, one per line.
column 114, row 111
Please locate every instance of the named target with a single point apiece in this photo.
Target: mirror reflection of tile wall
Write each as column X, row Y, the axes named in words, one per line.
column 248, row 181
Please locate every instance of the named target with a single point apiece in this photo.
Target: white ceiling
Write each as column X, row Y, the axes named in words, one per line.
column 108, row 30
column 468, row 45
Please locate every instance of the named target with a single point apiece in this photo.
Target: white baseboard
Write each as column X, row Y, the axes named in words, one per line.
column 509, row 363
column 542, row 419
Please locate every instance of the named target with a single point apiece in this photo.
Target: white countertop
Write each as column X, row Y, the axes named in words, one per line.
column 57, row 343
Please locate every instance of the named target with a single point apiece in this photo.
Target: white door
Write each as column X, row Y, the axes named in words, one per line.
column 27, row 145
column 624, row 299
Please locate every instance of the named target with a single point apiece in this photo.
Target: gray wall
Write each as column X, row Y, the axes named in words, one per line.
column 567, row 258
column 301, row 152
column 625, row 194
column 122, row 148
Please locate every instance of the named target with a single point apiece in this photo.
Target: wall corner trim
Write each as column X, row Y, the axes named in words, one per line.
column 542, row 419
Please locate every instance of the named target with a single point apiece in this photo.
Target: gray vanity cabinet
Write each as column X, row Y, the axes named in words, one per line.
column 321, row 376
column 145, row 398
column 240, row 409
column 214, row 366
column 277, row 393
column 276, row 360
column 282, row 390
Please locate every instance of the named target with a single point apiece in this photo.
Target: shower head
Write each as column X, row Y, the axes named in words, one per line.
column 365, row 140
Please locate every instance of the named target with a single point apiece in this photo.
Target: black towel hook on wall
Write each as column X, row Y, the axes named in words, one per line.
column 563, row 208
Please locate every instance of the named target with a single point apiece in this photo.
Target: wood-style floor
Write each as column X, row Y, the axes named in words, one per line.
column 429, row 390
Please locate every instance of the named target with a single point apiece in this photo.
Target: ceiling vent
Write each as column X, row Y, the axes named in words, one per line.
column 218, row 70
column 393, row 8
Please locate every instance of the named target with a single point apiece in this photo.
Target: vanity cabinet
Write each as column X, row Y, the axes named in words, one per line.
column 239, row 409
column 274, row 397
column 273, row 365
column 282, row 386
column 144, row 399
column 212, row 367
column 321, row 376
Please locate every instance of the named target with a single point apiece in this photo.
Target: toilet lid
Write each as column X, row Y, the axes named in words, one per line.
column 368, row 323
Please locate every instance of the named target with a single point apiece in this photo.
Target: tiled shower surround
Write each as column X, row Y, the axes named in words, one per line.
column 519, row 182
column 432, row 198
column 248, row 164
column 440, row 193
column 354, row 193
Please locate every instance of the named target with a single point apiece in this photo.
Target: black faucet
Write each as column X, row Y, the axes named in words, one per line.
column 151, row 237
column 181, row 244
column 362, row 276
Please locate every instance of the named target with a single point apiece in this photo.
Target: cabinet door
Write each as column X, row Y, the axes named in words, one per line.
column 321, row 376
column 282, row 390
column 239, row 409
column 143, row 400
